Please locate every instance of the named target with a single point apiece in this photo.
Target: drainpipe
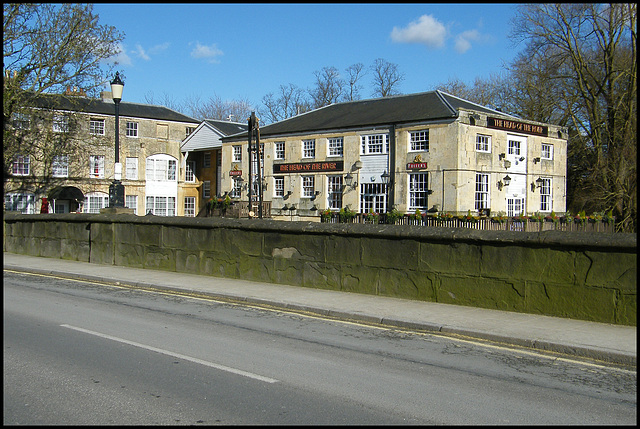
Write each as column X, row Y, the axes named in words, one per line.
column 392, row 165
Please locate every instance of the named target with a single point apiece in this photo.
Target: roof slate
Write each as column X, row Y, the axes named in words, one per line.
column 421, row 107
column 98, row 106
column 227, row 128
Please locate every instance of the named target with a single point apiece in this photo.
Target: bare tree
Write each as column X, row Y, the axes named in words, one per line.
column 592, row 48
column 291, row 101
column 166, row 100
column 49, row 48
column 216, row 108
column 386, row 78
column 355, row 73
column 328, row 89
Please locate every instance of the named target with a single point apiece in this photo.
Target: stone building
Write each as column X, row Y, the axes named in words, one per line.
column 429, row 151
column 150, row 138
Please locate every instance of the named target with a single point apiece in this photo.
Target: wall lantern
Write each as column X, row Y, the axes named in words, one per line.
column 536, row 160
column 315, row 194
column 506, row 180
column 350, row 181
column 385, row 177
column 501, row 156
column 539, row 182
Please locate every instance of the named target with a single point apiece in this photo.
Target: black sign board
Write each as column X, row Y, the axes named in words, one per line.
column 309, row 167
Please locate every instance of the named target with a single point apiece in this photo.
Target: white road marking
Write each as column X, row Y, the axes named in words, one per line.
column 177, row 355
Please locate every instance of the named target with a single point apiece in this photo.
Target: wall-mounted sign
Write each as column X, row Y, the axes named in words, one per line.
column 235, row 173
column 521, row 127
column 416, row 166
column 308, row 167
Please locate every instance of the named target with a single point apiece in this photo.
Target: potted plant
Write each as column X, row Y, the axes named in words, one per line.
column 393, row 216
column 371, row 217
column 325, row 215
column 346, row 215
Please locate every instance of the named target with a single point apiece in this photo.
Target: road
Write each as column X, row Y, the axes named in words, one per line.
column 84, row 353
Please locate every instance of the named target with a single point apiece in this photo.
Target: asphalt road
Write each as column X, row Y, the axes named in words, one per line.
column 84, row 353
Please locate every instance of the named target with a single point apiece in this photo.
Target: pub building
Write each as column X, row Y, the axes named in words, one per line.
column 430, row 151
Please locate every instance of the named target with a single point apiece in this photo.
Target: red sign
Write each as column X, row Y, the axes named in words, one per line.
column 235, row 173
column 417, row 166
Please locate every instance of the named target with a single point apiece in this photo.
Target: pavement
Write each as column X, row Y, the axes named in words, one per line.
column 569, row 338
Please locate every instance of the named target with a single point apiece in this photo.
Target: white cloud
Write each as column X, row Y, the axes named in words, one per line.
column 159, row 48
column 209, row 52
column 426, row 30
column 120, row 57
column 141, row 53
column 464, row 39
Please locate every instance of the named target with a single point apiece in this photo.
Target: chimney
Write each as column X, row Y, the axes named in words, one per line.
column 106, row 96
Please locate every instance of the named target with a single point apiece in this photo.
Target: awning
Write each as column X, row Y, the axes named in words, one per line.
column 66, row 193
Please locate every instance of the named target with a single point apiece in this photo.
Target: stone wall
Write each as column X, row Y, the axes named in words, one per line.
column 574, row 275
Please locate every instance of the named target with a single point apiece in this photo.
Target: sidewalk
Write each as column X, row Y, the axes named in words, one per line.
column 576, row 338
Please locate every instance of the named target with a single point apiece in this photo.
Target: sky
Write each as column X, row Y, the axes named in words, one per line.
column 245, row 51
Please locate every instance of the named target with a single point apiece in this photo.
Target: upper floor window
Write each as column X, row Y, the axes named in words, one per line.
column 483, row 143
column 237, row 153
column 96, row 166
column 278, row 150
column 308, row 148
column 161, row 168
column 132, row 129
column 21, row 165
column 162, row 131
column 60, row 123
column 21, row 121
column 60, row 166
column 96, row 126
column 547, row 151
column 206, row 160
column 132, row 168
column 190, row 172
column 374, row 144
column 514, row 147
column 190, row 131
column 419, row 140
column 335, row 146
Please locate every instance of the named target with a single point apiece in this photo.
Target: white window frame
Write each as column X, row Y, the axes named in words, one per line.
column 237, row 153
column 515, row 206
column 546, row 151
column 60, row 124
column 278, row 186
column 419, row 141
column 279, row 150
column 96, row 126
column 373, row 197
column 370, row 144
column 160, row 205
column 236, row 187
column 24, row 203
column 481, row 195
column 95, row 201
column 60, row 166
column 190, row 172
column 335, row 146
column 21, row 121
column 483, row 143
column 131, row 168
column 161, row 168
column 334, row 191
column 131, row 129
column 546, row 202
column 309, row 149
column 514, row 147
column 308, row 186
column 190, row 206
column 21, row 165
column 131, row 202
column 418, row 191
column 96, row 166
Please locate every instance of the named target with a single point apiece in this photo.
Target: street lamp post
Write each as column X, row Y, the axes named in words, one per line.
column 116, row 189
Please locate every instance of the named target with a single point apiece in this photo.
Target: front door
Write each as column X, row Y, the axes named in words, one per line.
column 517, row 171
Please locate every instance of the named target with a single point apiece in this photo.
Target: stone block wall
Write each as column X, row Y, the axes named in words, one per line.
column 575, row 275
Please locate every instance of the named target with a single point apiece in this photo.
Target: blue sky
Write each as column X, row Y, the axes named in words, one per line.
column 244, row 51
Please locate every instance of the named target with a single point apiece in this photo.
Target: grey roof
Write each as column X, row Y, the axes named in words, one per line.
column 402, row 109
column 227, row 128
column 98, row 106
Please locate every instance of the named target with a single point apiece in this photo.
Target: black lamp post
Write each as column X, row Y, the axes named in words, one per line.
column 116, row 189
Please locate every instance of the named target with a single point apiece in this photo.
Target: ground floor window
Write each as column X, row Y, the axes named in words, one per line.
column 190, row 206
column 482, row 191
column 96, row 201
column 334, row 192
column 418, row 191
column 161, row 206
column 131, row 202
column 545, row 195
column 515, row 206
column 23, row 203
column 373, row 197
